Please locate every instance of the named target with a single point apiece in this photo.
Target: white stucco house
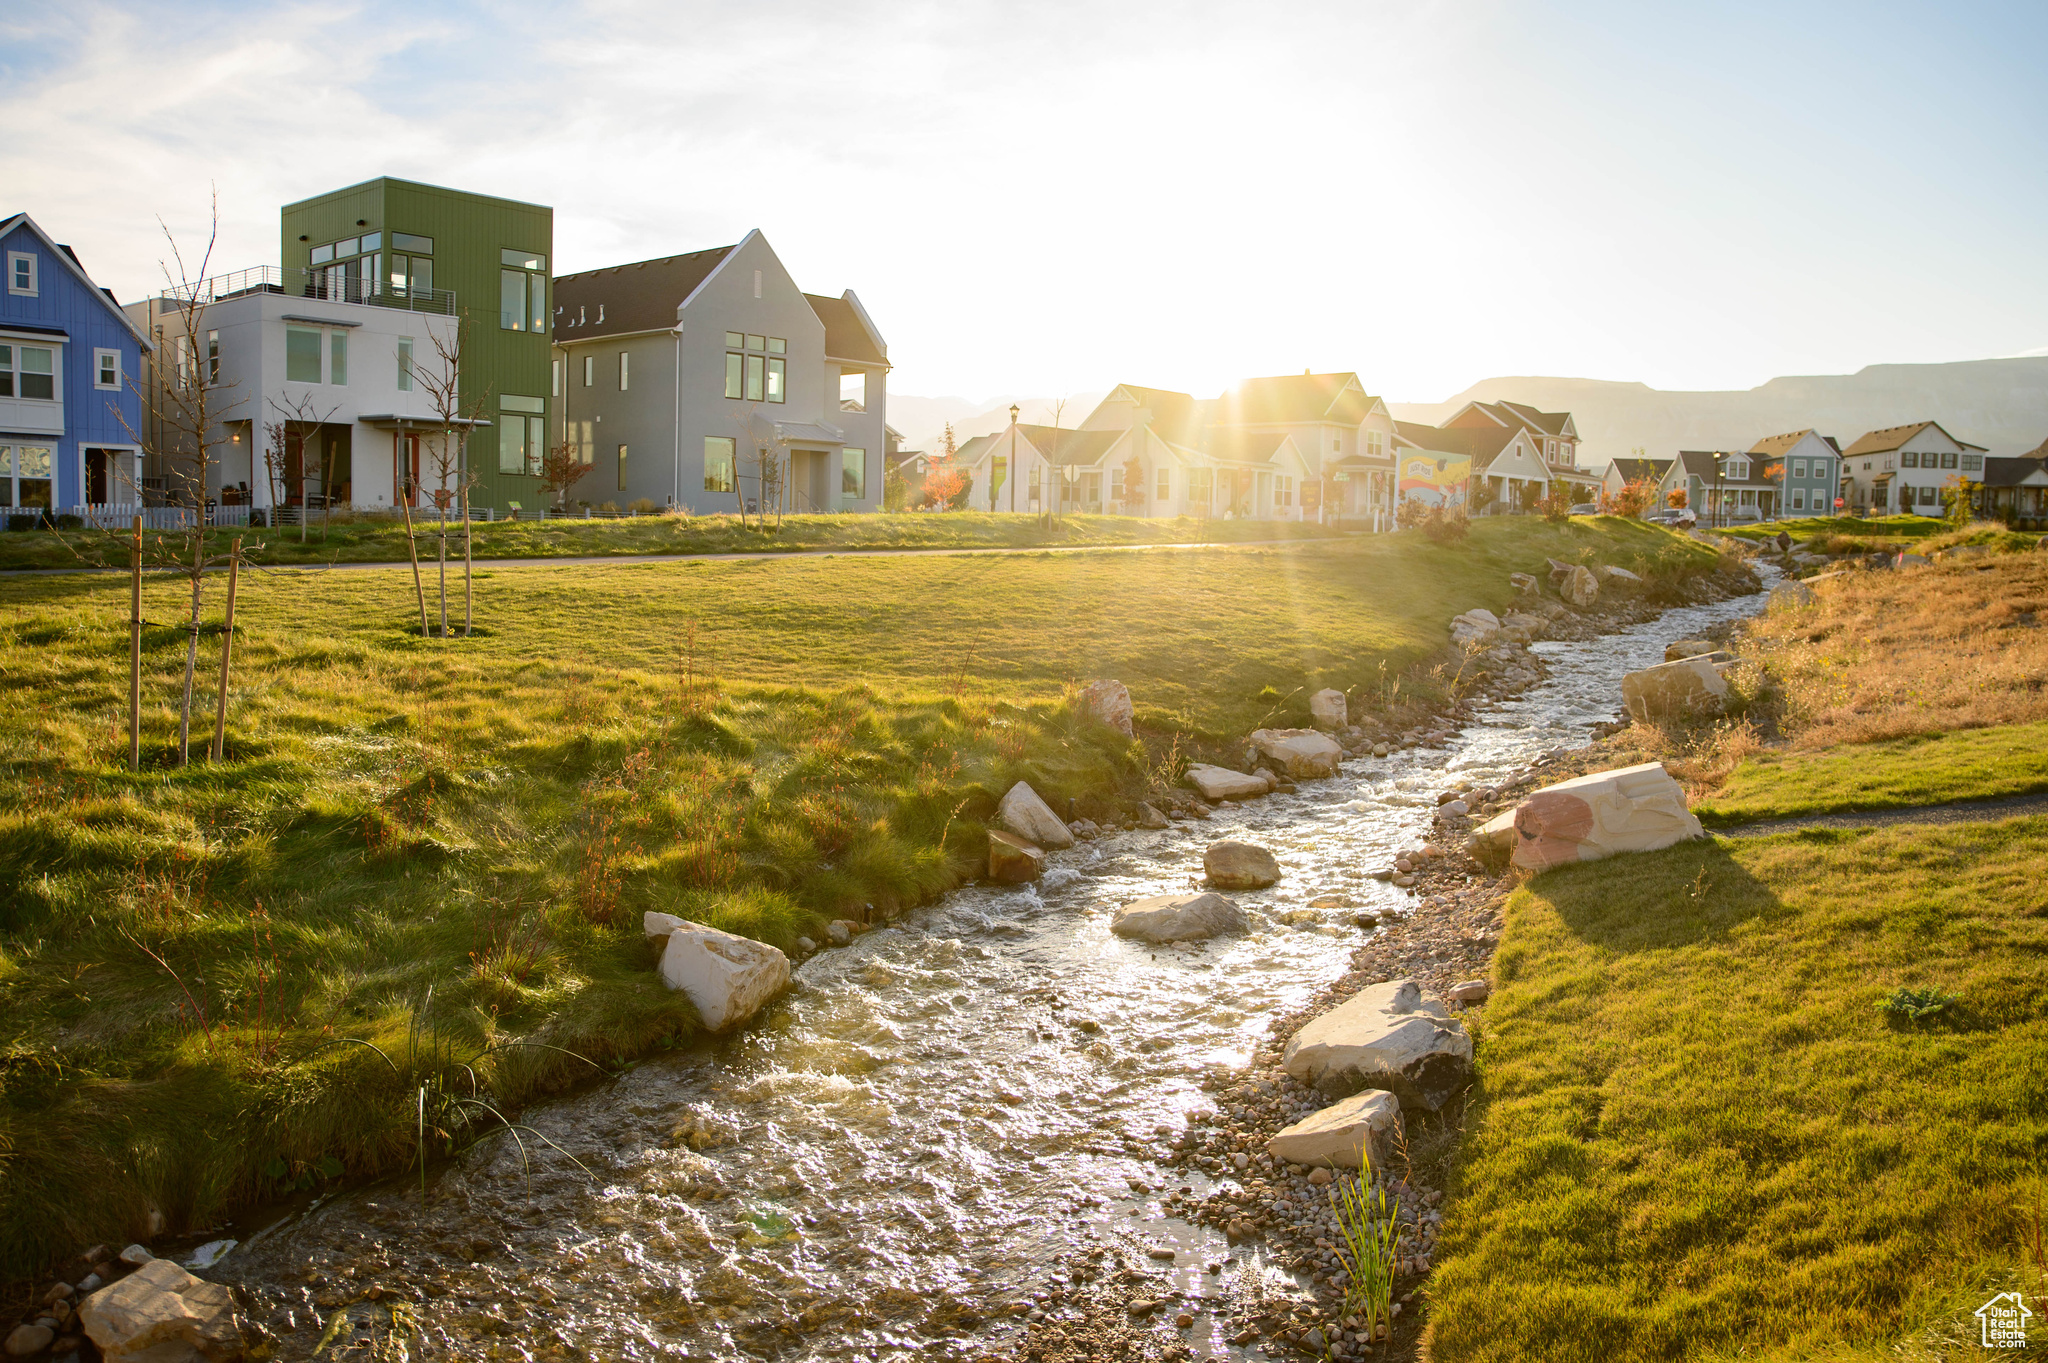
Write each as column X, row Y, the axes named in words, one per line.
column 1904, row 468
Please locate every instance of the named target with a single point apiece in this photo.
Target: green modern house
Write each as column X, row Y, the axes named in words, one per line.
column 387, row 237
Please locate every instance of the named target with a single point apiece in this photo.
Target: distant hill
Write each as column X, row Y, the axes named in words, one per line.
column 1999, row 404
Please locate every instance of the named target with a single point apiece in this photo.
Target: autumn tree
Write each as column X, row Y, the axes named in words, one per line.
column 1676, row 499
column 1636, row 496
column 943, row 480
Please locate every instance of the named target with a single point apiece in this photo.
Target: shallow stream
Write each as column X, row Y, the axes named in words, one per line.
column 929, row 1123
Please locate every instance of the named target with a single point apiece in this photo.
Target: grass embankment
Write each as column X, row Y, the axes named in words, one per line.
column 381, row 540
column 1700, row 1138
column 1697, row 1136
column 760, row 745
column 1847, row 534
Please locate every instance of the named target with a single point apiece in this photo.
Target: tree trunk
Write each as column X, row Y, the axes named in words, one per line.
column 443, row 568
column 468, row 618
column 412, row 548
column 191, row 646
column 135, row 652
column 227, row 650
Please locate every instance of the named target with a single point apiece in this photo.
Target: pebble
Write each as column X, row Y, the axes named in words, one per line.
column 1183, row 1320
column 28, row 1340
column 136, row 1255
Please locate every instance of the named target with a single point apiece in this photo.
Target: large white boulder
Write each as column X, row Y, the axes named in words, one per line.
column 1393, row 1036
column 1302, row 753
column 1032, row 819
column 1675, row 690
column 1475, row 626
column 1579, row 586
column 1629, row 809
column 162, row 1314
column 1327, row 709
column 1110, row 702
column 726, row 976
column 1234, row 865
column 1337, row 1136
column 1179, row 918
column 1221, row 783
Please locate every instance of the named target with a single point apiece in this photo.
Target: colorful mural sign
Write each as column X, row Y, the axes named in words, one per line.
column 1439, row 482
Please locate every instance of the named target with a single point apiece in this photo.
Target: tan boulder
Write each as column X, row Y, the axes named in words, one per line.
column 1690, row 686
column 1032, row 819
column 1013, row 860
column 1337, row 1136
column 162, row 1313
column 1688, row 648
column 1621, row 579
column 1179, row 918
column 1234, row 865
column 1110, row 702
column 1221, row 783
column 727, row 977
column 1580, row 587
column 1630, row 809
column 1302, row 754
column 1394, row 1036
column 1328, row 710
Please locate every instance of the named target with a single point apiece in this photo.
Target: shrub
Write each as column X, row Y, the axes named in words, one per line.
column 1446, row 527
column 67, row 521
column 23, row 520
column 645, row 506
column 1557, row 506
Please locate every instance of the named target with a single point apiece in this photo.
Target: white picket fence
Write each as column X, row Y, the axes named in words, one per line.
column 120, row 516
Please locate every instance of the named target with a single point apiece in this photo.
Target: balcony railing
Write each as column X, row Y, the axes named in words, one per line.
column 330, row 285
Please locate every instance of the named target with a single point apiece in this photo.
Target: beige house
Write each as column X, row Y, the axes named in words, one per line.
column 1905, row 468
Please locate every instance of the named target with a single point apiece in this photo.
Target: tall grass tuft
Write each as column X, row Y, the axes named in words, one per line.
column 1366, row 1226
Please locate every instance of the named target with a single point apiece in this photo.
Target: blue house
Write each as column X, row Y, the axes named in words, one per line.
column 71, row 416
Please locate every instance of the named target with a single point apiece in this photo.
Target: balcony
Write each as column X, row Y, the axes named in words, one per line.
column 330, row 285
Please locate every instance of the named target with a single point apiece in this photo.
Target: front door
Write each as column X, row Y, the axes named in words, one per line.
column 99, row 477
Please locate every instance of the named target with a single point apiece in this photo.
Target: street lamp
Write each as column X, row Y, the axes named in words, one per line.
column 1012, row 478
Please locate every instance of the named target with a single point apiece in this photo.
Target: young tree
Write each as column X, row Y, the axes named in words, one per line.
column 1958, row 499
column 561, row 468
column 455, row 418
column 1635, row 497
column 1676, row 499
column 1134, row 486
column 943, row 480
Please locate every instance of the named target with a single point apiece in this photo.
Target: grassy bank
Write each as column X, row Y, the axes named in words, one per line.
column 381, row 540
column 1975, row 764
column 444, row 847
column 1699, row 1137
column 1848, row 534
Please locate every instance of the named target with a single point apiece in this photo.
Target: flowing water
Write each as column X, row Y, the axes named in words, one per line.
column 929, row 1122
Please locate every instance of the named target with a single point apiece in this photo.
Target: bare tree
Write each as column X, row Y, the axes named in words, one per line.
column 294, row 418
column 448, row 444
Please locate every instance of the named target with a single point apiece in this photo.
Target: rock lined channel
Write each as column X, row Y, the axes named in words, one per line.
column 956, row 1137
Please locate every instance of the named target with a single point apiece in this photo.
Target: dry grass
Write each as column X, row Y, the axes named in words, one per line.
column 1893, row 655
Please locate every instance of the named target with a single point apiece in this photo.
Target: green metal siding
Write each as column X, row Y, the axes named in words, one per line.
column 469, row 231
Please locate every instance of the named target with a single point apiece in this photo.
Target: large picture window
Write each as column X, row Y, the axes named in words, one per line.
column 522, row 291
column 25, row 476
column 718, row 463
column 522, row 433
column 302, row 354
column 511, row 300
column 28, row 371
column 853, row 474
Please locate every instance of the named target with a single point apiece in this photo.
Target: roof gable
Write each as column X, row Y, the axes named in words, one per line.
column 1294, row 400
column 642, row 296
column 849, row 334
column 1892, row 437
column 72, row 265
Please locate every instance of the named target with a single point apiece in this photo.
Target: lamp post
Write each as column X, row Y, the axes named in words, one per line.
column 1012, row 478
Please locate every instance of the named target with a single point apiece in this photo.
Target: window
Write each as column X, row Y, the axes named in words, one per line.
column 756, row 370
column 555, row 379
column 622, row 468
column 511, row 300
column 589, row 370
column 522, row 433
column 757, row 342
column 27, row 371
column 321, row 255
column 732, row 374
column 345, row 248
column 1798, row 468
column 1283, row 490
column 183, row 357
column 412, row 275
column 25, row 476
column 623, row 357
column 998, row 474
column 853, row 475
column 1735, row 469
column 372, row 240
column 1165, row 492
column 776, row 373
column 1948, row 459
column 406, row 241
column 853, row 391
column 1911, row 459
column 1973, row 463
column 1116, row 486
column 1201, row 485
column 405, row 364
column 106, row 369
column 777, row 346
column 337, row 358
column 302, row 354
column 735, row 341
column 718, row 461
column 21, row 272
column 1798, row 499
column 213, row 357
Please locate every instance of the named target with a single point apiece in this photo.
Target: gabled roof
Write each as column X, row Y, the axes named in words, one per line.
column 1700, row 464
column 72, row 263
column 1294, row 400
column 849, row 333
column 642, row 296
column 1477, row 443
column 1518, row 414
column 1891, row 437
column 1065, row 445
column 2016, row 470
column 971, row 451
column 1175, row 416
column 1243, row 447
column 1631, row 469
column 1779, row 444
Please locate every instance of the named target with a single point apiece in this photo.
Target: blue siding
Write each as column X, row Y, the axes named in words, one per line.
column 91, row 322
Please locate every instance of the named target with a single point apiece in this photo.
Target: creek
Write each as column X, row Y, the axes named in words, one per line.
column 929, row 1123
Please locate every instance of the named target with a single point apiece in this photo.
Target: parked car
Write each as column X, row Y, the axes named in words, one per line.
column 1680, row 516
column 1586, row 509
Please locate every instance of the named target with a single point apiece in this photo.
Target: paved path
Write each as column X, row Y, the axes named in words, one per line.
column 1962, row 811
column 748, row 556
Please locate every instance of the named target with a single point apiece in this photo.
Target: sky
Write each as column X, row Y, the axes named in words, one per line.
column 1050, row 197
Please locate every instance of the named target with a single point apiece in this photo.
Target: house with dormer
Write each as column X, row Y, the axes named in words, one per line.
column 71, row 417
column 1344, row 435
column 1552, row 435
column 678, row 379
column 1722, row 486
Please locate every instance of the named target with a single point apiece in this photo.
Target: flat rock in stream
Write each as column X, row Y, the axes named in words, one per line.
column 1393, row 1036
column 1179, row 918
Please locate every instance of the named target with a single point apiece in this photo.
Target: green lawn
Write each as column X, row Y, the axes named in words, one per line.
column 760, row 744
column 1873, row 528
column 351, row 540
column 1968, row 764
column 1699, row 1138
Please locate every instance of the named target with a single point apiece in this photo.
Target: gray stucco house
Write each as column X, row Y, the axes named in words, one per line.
column 676, row 377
